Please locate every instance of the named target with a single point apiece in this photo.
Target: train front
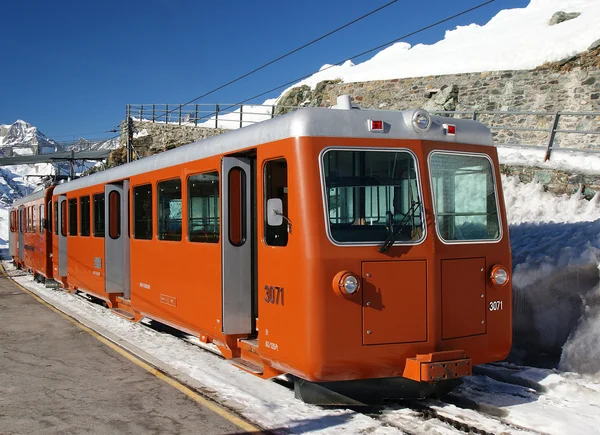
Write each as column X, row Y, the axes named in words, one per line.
column 415, row 251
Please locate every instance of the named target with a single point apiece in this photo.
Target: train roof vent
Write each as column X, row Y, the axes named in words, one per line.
column 344, row 103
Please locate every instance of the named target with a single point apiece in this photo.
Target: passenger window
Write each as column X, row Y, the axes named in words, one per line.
column 276, row 187
column 63, row 218
column 142, row 212
column 99, row 215
column 114, row 214
column 203, row 205
column 73, row 217
column 84, row 216
column 41, row 219
column 169, row 210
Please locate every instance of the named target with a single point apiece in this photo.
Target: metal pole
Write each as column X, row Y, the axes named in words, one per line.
column 129, row 138
column 241, row 115
column 272, row 111
column 217, row 116
column 552, row 136
column 72, row 166
column 166, row 114
column 153, row 117
column 474, row 115
column 180, row 114
column 196, row 116
column 141, row 112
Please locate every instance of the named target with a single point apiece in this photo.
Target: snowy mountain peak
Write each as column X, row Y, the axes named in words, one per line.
column 22, row 138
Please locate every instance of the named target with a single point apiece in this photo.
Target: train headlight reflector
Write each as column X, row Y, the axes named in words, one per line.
column 499, row 276
column 346, row 283
column 350, row 284
column 421, row 121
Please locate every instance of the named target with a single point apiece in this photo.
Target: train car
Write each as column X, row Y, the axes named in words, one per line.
column 30, row 239
column 334, row 245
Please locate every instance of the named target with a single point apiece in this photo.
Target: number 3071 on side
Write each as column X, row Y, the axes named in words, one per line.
column 496, row 306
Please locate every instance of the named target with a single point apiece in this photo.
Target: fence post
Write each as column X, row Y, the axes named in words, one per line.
column 552, row 135
column 166, row 113
column 272, row 111
column 153, row 117
column 241, row 115
column 217, row 116
column 141, row 112
column 196, row 116
column 474, row 115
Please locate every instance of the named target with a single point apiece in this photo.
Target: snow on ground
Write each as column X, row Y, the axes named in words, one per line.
column 265, row 403
column 555, row 243
column 580, row 162
column 4, row 229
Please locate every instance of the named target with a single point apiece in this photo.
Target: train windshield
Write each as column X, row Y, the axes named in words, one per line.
column 372, row 196
column 464, row 196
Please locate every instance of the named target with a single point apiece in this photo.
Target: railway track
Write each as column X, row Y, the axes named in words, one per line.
column 457, row 413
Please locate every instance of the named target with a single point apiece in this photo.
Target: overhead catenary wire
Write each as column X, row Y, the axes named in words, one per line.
column 289, row 53
column 422, row 29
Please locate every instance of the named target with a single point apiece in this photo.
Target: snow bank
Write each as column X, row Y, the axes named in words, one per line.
column 514, row 39
column 556, row 254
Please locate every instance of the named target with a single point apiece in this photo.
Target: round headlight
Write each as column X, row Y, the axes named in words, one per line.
column 499, row 276
column 421, row 121
column 350, row 284
column 346, row 283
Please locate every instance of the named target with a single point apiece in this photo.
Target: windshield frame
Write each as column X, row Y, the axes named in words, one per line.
column 433, row 200
column 378, row 244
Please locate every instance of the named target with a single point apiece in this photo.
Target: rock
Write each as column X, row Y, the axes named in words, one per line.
column 594, row 45
column 561, row 16
column 445, row 99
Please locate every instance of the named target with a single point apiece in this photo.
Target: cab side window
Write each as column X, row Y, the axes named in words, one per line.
column 276, row 186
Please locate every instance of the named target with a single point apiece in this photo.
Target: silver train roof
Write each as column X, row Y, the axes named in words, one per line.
column 39, row 194
column 314, row 121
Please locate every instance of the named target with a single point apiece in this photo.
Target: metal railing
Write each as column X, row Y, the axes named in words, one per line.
column 206, row 115
column 573, row 131
column 549, row 130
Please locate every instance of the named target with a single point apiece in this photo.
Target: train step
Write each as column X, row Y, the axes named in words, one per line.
column 123, row 313
column 250, row 345
column 123, row 301
column 249, row 366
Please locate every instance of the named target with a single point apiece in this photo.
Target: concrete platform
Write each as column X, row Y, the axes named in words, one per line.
column 55, row 378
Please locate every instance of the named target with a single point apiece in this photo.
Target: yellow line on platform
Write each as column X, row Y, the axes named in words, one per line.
column 169, row 380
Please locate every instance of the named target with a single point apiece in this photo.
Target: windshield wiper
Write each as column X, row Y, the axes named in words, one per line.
column 395, row 232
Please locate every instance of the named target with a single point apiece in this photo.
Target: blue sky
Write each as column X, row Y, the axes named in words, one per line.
column 70, row 68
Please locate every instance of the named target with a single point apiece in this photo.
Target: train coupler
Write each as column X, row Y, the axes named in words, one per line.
column 438, row 366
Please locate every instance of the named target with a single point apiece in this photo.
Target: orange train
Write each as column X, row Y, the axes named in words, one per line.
column 333, row 245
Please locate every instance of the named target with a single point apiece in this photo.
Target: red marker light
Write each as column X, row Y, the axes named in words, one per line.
column 450, row 129
column 375, row 125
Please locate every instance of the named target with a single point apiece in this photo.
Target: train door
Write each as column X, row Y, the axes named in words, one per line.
column 62, row 236
column 237, row 245
column 20, row 241
column 12, row 235
column 116, row 238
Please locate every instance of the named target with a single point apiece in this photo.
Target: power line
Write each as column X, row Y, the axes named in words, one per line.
column 422, row 29
column 289, row 53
